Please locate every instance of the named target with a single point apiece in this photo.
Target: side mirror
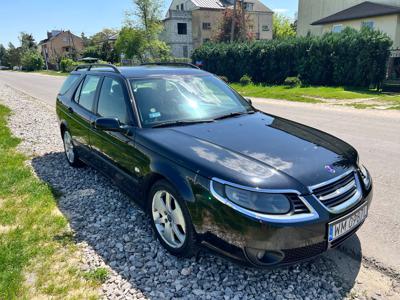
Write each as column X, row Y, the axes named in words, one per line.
column 249, row 101
column 109, row 124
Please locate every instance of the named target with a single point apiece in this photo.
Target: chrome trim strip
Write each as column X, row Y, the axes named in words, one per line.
column 339, row 191
column 287, row 218
column 252, row 189
column 349, row 203
column 313, row 187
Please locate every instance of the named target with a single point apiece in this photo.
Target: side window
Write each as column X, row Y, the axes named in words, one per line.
column 86, row 92
column 112, row 101
column 68, row 83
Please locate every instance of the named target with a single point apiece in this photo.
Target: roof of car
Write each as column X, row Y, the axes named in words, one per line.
column 150, row 70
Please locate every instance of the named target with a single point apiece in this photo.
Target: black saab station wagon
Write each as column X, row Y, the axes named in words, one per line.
column 209, row 168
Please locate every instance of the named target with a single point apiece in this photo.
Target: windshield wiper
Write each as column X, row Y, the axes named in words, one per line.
column 180, row 123
column 235, row 114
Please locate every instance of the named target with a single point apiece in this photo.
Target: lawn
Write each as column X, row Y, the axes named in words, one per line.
column 38, row 255
column 311, row 94
column 51, row 72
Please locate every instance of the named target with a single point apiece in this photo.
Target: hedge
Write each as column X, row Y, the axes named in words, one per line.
column 350, row 58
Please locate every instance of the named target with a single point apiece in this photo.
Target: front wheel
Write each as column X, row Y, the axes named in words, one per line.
column 171, row 221
column 70, row 152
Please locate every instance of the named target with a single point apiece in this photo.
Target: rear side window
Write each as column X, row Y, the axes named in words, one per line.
column 68, row 83
column 86, row 93
column 112, row 101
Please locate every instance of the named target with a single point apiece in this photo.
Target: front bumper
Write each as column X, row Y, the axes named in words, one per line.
column 260, row 243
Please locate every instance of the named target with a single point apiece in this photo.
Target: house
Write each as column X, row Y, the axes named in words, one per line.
column 317, row 17
column 190, row 23
column 320, row 16
column 58, row 44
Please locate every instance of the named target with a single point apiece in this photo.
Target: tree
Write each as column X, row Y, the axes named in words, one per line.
column 146, row 18
column 3, row 53
column 13, row 56
column 31, row 60
column 131, row 42
column 85, row 39
column 27, row 42
column 240, row 20
column 100, row 37
column 282, row 27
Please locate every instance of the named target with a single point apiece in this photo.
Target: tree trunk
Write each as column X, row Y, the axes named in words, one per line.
column 233, row 21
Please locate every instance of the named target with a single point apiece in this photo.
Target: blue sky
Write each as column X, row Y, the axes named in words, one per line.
column 89, row 16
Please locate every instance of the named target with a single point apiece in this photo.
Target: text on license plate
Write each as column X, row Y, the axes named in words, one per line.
column 345, row 224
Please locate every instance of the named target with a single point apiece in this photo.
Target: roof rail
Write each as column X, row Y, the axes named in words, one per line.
column 182, row 64
column 89, row 67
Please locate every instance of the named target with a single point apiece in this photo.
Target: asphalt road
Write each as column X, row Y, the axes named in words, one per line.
column 375, row 134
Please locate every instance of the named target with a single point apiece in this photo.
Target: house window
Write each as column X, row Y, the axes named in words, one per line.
column 368, row 24
column 177, row 7
column 182, row 7
column 185, row 51
column 265, row 28
column 248, row 6
column 206, row 26
column 182, row 28
column 337, row 28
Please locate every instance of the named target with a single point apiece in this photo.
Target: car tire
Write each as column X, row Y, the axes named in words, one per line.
column 171, row 221
column 70, row 151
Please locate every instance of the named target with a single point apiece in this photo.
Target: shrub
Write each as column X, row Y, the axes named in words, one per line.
column 32, row 61
column 352, row 58
column 245, row 80
column 68, row 65
column 292, row 81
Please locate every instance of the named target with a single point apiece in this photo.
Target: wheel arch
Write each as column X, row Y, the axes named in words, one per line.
column 177, row 176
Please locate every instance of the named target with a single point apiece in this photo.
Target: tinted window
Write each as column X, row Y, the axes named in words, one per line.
column 87, row 92
column 112, row 101
column 71, row 79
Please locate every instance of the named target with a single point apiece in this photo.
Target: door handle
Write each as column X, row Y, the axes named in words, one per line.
column 71, row 110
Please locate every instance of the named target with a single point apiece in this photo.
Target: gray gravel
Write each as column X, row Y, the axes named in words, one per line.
column 113, row 233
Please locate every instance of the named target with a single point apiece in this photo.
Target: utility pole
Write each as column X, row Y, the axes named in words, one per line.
column 233, row 21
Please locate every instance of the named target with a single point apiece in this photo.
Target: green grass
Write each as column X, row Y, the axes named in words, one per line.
column 53, row 73
column 99, row 275
column 37, row 250
column 310, row 94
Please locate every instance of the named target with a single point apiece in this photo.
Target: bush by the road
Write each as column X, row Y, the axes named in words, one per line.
column 32, row 61
column 68, row 65
column 352, row 58
column 292, row 81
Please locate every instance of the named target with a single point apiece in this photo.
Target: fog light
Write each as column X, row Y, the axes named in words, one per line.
column 260, row 254
column 264, row 257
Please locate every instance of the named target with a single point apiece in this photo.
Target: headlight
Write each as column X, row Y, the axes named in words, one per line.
column 255, row 201
column 365, row 175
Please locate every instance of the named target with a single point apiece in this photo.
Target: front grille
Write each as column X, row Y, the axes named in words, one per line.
column 298, row 206
column 338, row 192
column 298, row 254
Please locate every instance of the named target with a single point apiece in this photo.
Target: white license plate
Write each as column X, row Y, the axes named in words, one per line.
column 345, row 224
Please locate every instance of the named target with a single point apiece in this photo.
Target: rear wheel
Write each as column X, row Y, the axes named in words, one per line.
column 171, row 221
column 70, row 152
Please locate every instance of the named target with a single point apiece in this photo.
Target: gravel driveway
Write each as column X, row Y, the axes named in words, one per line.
column 112, row 232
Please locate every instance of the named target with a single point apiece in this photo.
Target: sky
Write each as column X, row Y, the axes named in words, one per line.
column 89, row 16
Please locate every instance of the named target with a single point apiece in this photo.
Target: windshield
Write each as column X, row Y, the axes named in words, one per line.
column 185, row 98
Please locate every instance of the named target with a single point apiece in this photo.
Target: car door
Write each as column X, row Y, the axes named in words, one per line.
column 81, row 114
column 115, row 150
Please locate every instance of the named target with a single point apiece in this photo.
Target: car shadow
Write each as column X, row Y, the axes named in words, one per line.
column 120, row 234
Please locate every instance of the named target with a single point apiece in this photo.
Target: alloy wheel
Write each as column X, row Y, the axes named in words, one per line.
column 168, row 219
column 69, row 147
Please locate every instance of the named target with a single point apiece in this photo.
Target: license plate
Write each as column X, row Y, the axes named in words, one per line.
column 345, row 224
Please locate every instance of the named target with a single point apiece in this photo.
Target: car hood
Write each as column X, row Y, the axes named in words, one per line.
column 257, row 150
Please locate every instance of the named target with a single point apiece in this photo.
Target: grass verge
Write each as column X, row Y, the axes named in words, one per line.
column 38, row 255
column 311, row 94
column 51, row 72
